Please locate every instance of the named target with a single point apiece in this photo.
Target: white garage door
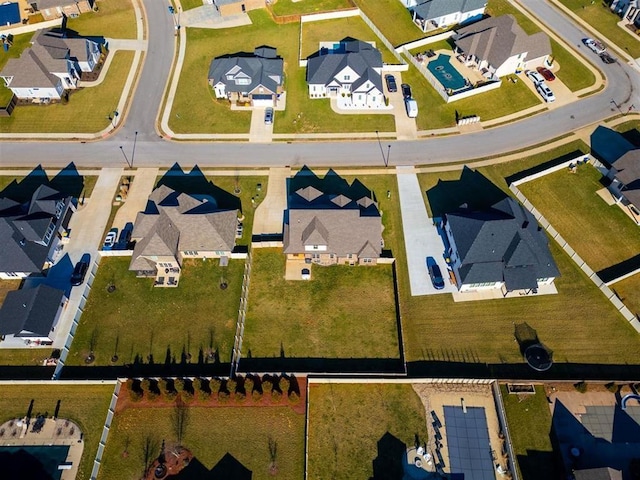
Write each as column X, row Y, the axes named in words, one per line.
column 262, row 101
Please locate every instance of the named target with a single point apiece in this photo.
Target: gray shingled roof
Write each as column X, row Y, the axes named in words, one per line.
column 262, row 71
column 171, row 223
column 609, row 145
column 30, row 312
column 430, row 9
column 44, row 4
column 628, row 172
column 360, row 56
column 495, row 39
column 503, row 243
column 345, row 226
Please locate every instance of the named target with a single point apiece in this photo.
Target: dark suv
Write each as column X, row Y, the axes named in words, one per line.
column 392, row 86
column 80, row 270
column 406, row 90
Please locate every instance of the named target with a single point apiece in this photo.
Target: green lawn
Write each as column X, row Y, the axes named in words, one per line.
column 302, row 7
column 139, row 320
column 209, row 433
column 574, row 74
column 529, row 420
column 324, row 317
column 602, row 19
column 85, row 405
column 114, row 19
column 86, row 111
column 346, row 421
column 189, row 4
column 393, row 19
column 570, row 203
column 629, row 292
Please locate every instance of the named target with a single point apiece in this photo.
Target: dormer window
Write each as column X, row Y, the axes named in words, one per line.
column 243, row 81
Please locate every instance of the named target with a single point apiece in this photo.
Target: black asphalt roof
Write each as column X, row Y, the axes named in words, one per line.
column 30, row 312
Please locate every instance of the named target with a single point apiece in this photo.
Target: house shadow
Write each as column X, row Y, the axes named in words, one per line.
column 68, row 181
column 392, row 456
column 264, row 51
column 196, row 183
column 472, row 189
column 227, row 468
column 539, row 464
column 340, row 49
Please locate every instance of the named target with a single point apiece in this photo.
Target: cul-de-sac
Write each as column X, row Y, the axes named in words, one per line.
column 320, row 239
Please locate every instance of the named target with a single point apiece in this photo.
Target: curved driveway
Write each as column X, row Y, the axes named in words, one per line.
column 621, row 85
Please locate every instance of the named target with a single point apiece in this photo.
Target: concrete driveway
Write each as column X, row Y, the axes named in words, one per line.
column 259, row 131
column 421, row 237
column 405, row 127
column 141, row 187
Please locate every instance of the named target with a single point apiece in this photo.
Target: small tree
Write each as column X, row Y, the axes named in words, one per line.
column 276, row 396
column 248, row 385
column 223, row 396
column 284, row 384
column 294, row 398
column 231, row 386
column 267, row 386
column 135, row 393
column 582, row 387
column 214, row 386
column 612, row 387
column 163, row 386
column 240, row 397
column 178, row 385
column 256, row 395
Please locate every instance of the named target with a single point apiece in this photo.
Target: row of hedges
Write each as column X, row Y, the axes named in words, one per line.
column 270, row 388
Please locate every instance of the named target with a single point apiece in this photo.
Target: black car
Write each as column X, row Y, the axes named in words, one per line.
column 606, row 58
column 392, row 86
column 80, row 270
column 406, row 90
column 125, row 236
column 435, row 273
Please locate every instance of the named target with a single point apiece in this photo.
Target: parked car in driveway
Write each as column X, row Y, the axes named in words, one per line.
column 110, row 239
column 411, row 106
column 80, row 270
column 546, row 73
column 545, row 92
column 392, row 86
column 125, row 236
column 435, row 273
column 534, row 76
column 268, row 116
column 406, row 90
column 594, row 45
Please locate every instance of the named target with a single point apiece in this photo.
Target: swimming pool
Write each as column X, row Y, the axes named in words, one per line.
column 32, row 460
column 446, row 73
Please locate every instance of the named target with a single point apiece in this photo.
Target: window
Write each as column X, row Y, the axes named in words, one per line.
column 315, row 247
column 243, row 81
column 347, row 78
column 59, row 208
column 49, row 233
column 367, row 260
column 316, row 256
column 350, row 256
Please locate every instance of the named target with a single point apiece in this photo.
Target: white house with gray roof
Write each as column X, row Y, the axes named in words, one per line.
column 255, row 79
column 329, row 221
column 497, row 46
column 50, row 66
column 176, row 226
column 350, row 72
column 432, row 14
column 501, row 247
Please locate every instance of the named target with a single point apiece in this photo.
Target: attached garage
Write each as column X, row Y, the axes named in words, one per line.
column 263, row 100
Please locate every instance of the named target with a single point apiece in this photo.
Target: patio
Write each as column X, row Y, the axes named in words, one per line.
column 473, row 75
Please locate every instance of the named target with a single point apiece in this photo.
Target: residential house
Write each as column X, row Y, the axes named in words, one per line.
column 625, row 182
column 497, row 46
column 50, row 66
column 30, row 233
column 349, row 71
column 51, row 9
column 236, row 7
column 629, row 10
column 176, row 226
column 32, row 314
column 329, row 221
column 256, row 79
column 9, row 14
column 501, row 247
column 432, row 14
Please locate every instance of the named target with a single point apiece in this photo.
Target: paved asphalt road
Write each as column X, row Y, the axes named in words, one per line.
column 622, row 86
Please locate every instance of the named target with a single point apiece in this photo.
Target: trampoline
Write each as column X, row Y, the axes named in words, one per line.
column 468, row 443
column 446, row 73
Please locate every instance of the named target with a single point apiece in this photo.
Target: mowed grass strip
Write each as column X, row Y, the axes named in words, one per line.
column 572, row 72
column 303, row 7
column 114, row 19
column 602, row 19
column 570, row 203
column 342, row 312
column 139, row 321
column 628, row 290
column 529, row 420
column 346, row 421
column 86, row 112
column 85, row 405
column 209, row 433
column 393, row 19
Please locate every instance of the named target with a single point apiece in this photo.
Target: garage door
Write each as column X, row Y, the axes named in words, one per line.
column 262, row 101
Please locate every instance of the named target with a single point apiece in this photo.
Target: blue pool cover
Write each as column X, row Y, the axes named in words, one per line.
column 446, row 73
column 9, row 14
column 468, row 443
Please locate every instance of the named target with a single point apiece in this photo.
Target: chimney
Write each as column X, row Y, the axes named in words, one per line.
column 525, row 224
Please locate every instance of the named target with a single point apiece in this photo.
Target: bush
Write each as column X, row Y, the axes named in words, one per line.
column 178, row 384
column 612, row 387
column 204, row 395
column 256, row 395
column 582, row 387
column 248, row 385
column 284, row 385
column 214, row 385
column 240, row 397
column 223, row 396
column 294, row 398
column 163, row 386
column 231, row 386
column 187, row 396
column 276, row 396
column 135, row 392
column 267, row 386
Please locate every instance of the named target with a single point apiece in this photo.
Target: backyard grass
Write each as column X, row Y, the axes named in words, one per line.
column 85, row 405
column 337, row 29
column 393, row 19
column 143, row 324
column 570, row 203
column 189, row 4
column 209, row 433
column 86, row 111
column 326, row 317
column 303, row 7
column 628, row 290
column 114, row 19
column 529, row 420
column 602, row 19
column 346, row 421
column 572, row 72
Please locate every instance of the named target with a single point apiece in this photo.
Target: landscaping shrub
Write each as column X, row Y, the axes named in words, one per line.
column 267, row 386
column 284, row 385
column 223, row 396
column 135, row 392
column 178, row 384
column 612, row 387
column 240, row 397
column 294, row 398
column 582, row 387
column 276, row 396
column 214, row 385
column 187, row 395
column 248, row 385
column 256, row 395
column 231, row 386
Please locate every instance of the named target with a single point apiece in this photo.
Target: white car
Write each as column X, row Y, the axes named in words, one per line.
column 545, row 92
column 110, row 239
column 594, row 45
column 535, row 77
